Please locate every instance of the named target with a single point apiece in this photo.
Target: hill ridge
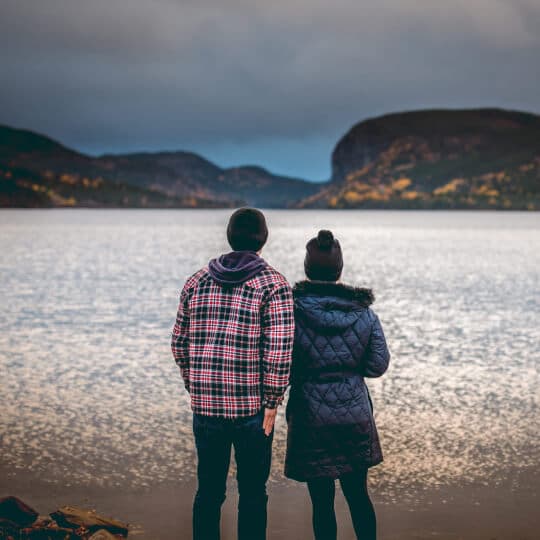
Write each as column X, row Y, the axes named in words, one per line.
column 184, row 177
column 425, row 158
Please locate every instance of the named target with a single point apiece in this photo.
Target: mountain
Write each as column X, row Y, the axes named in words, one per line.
column 483, row 158
column 39, row 171
column 36, row 171
column 187, row 174
column 478, row 158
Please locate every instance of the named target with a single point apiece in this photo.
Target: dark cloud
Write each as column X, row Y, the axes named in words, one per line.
column 242, row 81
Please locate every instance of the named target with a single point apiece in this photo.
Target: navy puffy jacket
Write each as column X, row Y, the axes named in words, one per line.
column 338, row 341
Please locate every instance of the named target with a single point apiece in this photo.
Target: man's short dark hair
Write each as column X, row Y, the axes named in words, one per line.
column 247, row 230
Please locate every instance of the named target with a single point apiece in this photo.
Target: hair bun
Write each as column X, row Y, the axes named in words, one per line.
column 325, row 239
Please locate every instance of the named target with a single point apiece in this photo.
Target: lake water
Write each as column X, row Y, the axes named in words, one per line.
column 90, row 393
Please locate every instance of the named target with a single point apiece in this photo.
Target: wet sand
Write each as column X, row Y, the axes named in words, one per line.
column 163, row 512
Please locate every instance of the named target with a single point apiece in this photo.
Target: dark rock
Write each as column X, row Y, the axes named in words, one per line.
column 74, row 517
column 50, row 531
column 15, row 513
column 103, row 534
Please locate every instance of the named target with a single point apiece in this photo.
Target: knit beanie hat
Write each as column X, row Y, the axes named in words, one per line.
column 324, row 260
column 247, row 230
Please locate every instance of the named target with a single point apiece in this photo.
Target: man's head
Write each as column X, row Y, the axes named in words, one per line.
column 247, row 230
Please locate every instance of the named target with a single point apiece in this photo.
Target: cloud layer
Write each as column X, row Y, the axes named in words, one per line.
column 241, row 81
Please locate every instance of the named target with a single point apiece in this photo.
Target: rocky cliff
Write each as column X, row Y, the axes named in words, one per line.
column 485, row 158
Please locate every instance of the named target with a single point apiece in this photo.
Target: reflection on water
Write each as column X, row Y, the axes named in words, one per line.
column 90, row 392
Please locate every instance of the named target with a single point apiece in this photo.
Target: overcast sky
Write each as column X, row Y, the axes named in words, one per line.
column 274, row 83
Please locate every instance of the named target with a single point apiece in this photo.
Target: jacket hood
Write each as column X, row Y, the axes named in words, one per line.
column 362, row 296
column 236, row 267
column 330, row 307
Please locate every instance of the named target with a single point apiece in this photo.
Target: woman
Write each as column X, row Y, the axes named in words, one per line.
column 338, row 341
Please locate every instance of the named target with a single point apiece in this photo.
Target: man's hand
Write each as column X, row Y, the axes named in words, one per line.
column 269, row 419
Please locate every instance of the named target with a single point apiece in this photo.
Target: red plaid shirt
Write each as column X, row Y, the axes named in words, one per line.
column 234, row 344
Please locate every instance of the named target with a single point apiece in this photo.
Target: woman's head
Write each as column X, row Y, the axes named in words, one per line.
column 324, row 260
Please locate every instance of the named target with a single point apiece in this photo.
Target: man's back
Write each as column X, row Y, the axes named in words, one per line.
column 233, row 337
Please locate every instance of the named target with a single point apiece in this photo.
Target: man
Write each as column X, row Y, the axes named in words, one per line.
column 233, row 342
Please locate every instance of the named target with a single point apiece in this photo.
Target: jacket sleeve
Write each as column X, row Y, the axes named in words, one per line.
column 180, row 337
column 377, row 356
column 277, row 325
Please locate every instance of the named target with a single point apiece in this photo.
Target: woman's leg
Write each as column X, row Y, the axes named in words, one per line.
column 322, row 492
column 354, row 487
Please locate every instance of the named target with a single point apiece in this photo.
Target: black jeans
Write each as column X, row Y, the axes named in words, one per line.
column 214, row 438
column 354, row 485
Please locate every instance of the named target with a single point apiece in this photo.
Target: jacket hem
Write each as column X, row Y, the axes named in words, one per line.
column 334, row 475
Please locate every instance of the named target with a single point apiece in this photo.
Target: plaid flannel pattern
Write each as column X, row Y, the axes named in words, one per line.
column 234, row 344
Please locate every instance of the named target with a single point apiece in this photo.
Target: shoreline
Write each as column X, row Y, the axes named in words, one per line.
column 457, row 209
column 163, row 511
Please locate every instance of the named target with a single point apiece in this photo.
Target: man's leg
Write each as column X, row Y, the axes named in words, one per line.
column 253, row 453
column 213, row 442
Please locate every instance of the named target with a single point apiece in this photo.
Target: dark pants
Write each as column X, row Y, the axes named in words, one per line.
column 214, row 438
column 354, row 485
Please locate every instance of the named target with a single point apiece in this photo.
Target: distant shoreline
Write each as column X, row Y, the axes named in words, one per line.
column 441, row 210
column 424, row 159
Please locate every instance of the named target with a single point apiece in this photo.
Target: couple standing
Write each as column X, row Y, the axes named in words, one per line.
column 242, row 335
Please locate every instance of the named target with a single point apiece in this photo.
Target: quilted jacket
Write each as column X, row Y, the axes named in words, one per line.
column 338, row 342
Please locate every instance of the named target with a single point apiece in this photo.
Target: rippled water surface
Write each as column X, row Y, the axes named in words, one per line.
column 90, row 392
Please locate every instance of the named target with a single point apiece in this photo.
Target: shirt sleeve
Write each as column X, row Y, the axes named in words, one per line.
column 180, row 337
column 277, row 323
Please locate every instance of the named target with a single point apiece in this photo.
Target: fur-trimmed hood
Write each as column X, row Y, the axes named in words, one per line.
column 362, row 296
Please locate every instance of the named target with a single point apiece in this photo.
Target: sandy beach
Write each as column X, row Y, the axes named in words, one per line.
column 163, row 512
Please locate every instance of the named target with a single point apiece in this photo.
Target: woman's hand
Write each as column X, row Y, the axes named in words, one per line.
column 269, row 420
